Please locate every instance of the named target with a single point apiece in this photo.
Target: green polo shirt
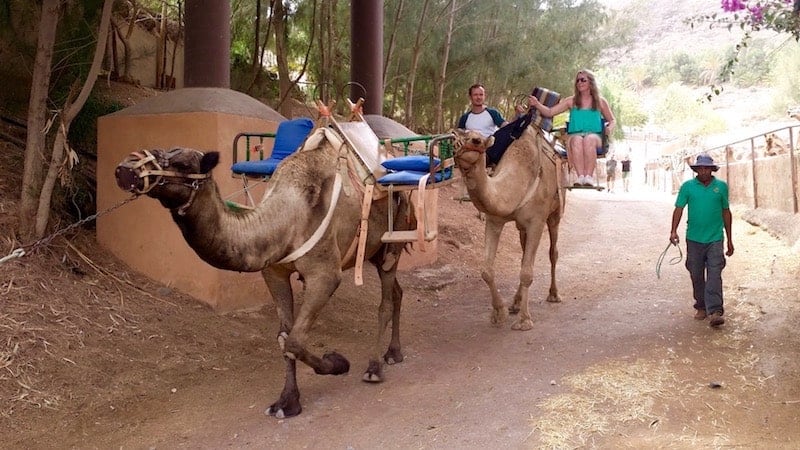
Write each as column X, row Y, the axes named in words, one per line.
column 704, row 222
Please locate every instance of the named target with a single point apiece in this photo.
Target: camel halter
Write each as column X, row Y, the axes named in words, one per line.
column 136, row 167
column 312, row 241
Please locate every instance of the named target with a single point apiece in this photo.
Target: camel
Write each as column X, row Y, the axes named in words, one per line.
column 523, row 188
column 277, row 236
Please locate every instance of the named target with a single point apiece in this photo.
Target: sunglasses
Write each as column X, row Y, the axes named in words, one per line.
column 581, row 80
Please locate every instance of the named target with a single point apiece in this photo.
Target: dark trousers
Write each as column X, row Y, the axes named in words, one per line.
column 705, row 263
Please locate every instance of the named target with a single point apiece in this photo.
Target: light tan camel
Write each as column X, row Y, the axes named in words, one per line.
column 308, row 189
column 523, row 188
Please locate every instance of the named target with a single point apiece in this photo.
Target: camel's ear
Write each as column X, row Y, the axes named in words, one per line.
column 490, row 141
column 209, row 161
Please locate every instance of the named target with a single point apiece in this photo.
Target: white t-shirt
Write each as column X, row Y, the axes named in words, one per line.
column 482, row 123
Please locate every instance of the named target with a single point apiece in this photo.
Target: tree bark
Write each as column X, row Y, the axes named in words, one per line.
column 443, row 72
column 281, row 57
column 392, row 39
column 415, row 56
column 33, row 167
column 70, row 111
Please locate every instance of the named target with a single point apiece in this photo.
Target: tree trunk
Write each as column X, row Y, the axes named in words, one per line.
column 392, row 38
column 71, row 110
column 161, row 47
column 37, row 117
column 416, row 52
column 443, row 73
column 281, row 57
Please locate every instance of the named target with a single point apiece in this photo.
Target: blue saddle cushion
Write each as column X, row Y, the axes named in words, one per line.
column 419, row 163
column 261, row 167
column 413, row 176
column 288, row 138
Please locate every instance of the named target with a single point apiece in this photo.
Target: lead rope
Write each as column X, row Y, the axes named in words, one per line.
column 20, row 252
column 672, row 262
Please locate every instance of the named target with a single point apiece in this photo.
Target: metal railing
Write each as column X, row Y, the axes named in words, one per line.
column 762, row 170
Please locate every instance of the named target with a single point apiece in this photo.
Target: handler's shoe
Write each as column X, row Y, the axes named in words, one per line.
column 716, row 319
column 700, row 314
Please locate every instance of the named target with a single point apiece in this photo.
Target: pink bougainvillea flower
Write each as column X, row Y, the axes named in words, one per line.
column 756, row 14
column 732, row 5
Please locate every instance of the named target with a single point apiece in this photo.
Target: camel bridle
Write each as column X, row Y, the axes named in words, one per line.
column 145, row 169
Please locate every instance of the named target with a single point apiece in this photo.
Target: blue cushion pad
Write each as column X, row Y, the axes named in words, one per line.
column 258, row 168
column 290, row 135
column 419, row 163
column 412, row 176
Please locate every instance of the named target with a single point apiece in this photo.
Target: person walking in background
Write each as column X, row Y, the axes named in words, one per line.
column 709, row 214
column 611, row 172
column 587, row 112
column 626, row 172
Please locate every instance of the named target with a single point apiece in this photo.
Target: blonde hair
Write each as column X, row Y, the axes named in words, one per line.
column 592, row 88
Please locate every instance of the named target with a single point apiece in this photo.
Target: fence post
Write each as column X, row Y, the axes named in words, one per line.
column 753, row 166
column 793, row 163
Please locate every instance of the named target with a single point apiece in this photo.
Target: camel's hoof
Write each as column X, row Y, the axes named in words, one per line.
column 335, row 364
column 284, row 408
column 522, row 325
column 374, row 372
column 393, row 356
column 499, row 316
column 554, row 298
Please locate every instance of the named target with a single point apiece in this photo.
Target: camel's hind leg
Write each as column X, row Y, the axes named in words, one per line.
column 391, row 304
column 552, row 228
column 494, row 227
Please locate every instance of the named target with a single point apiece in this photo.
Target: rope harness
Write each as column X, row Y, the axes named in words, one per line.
column 136, row 175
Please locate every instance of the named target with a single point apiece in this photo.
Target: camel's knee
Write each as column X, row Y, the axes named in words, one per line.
column 487, row 276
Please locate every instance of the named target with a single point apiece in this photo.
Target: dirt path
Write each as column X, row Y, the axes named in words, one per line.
column 620, row 363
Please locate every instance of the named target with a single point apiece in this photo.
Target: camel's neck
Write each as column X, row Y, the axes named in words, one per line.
column 502, row 193
column 245, row 240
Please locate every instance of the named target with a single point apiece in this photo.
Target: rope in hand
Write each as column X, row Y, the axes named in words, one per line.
column 672, row 262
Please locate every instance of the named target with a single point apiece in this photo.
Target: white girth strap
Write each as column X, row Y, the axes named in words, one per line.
column 312, row 241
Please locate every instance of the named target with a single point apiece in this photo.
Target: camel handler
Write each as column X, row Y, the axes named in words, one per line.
column 709, row 214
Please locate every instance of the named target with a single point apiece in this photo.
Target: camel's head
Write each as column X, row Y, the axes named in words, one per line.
column 172, row 177
column 470, row 146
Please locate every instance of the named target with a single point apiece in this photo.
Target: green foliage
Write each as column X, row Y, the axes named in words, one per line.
column 787, row 86
column 753, row 63
column 679, row 112
column 83, row 130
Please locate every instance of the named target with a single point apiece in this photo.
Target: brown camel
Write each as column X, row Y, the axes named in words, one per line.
column 277, row 238
column 523, row 188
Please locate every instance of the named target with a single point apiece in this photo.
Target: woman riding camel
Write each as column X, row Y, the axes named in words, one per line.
column 587, row 111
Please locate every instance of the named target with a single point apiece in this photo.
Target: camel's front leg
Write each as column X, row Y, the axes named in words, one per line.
column 494, row 227
column 319, row 287
column 288, row 404
column 552, row 227
column 531, row 237
column 391, row 302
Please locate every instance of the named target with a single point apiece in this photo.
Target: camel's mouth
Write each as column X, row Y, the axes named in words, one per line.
column 128, row 179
